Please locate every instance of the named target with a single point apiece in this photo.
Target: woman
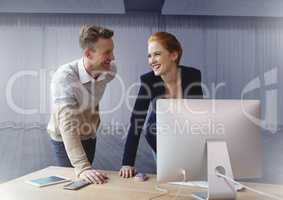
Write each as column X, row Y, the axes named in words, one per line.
column 168, row 79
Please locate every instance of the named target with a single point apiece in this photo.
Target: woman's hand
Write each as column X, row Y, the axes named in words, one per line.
column 127, row 171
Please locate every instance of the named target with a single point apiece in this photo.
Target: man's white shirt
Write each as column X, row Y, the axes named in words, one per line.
column 72, row 84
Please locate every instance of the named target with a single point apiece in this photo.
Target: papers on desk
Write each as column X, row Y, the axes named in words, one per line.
column 202, row 184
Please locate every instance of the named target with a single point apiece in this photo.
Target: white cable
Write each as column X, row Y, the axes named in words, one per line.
column 180, row 187
column 248, row 188
column 157, row 187
column 184, row 180
column 166, row 191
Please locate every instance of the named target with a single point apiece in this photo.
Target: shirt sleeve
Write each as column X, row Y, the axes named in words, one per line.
column 69, row 118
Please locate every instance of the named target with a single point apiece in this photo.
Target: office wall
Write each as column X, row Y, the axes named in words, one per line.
column 231, row 52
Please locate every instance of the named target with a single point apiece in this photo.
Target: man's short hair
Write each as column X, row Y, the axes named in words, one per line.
column 89, row 34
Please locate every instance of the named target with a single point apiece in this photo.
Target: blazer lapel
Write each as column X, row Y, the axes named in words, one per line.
column 187, row 80
column 159, row 86
column 184, row 81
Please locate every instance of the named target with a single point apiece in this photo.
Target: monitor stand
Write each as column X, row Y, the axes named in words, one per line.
column 218, row 161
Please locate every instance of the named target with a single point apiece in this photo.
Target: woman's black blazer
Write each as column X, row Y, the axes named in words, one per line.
column 152, row 87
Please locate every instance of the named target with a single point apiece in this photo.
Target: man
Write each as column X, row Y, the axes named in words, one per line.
column 76, row 89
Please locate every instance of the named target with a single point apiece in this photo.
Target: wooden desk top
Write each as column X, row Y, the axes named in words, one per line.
column 117, row 188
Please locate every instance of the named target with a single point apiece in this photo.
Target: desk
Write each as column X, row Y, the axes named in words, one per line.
column 117, row 189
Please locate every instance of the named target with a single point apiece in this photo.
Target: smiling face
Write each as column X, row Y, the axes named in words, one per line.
column 160, row 59
column 101, row 56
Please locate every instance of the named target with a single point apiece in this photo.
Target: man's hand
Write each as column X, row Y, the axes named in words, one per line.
column 94, row 176
column 127, row 171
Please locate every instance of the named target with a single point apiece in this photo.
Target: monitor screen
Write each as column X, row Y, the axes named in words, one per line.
column 185, row 125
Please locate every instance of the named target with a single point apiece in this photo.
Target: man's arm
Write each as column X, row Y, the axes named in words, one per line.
column 69, row 121
column 69, row 117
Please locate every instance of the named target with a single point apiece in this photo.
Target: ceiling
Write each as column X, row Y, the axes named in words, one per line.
column 270, row 8
column 153, row 6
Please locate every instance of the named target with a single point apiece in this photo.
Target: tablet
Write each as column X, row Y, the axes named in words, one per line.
column 50, row 180
column 76, row 185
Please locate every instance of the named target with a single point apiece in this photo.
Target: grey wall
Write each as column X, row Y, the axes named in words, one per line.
column 228, row 50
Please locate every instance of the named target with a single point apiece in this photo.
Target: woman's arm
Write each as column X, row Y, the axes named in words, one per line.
column 136, row 123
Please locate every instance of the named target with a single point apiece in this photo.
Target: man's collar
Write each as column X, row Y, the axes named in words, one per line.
column 83, row 75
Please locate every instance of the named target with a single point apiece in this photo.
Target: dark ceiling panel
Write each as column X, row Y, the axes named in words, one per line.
column 154, row 6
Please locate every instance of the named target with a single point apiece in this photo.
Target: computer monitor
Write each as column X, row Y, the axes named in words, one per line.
column 197, row 137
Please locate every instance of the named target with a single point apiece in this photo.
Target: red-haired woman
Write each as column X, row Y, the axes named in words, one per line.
column 167, row 79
